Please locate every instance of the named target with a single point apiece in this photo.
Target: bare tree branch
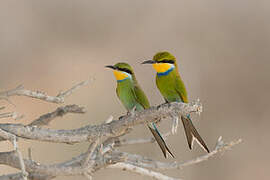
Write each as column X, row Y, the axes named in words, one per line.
column 90, row 154
column 19, row 176
column 20, row 91
column 71, row 90
column 13, row 115
column 47, row 118
column 103, row 138
column 16, row 176
column 144, row 162
column 141, row 171
column 71, row 167
column 74, row 166
column 13, row 140
column 59, row 112
column 112, row 129
column 125, row 142
column 6, row 115
column 7, row 135
column 21, row 162
column 135, row 163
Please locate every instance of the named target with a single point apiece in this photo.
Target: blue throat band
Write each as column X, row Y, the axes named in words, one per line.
column 166, row 72
column 122, row 79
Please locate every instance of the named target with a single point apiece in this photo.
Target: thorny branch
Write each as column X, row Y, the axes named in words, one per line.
column 104, row 140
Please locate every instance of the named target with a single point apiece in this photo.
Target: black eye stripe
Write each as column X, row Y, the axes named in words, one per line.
column 125, row 70
column 167, row 61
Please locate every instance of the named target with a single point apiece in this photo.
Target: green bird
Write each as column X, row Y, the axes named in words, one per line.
column 132, row 96
column 172, row 88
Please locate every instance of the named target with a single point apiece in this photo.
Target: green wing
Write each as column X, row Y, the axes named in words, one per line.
column 180, row 88
column 141, row 97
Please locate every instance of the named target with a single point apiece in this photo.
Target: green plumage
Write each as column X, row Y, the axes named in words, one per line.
column 173, row 89
column 165, row 84
column 131, row 95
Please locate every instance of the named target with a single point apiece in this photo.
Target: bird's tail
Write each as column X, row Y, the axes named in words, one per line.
column 192, row 133
column 160, row 140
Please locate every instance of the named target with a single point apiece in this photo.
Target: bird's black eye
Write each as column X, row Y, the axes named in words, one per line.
column 166, row 61
column 125, row 70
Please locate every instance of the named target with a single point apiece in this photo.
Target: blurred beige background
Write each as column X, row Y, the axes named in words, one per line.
column 222, row 49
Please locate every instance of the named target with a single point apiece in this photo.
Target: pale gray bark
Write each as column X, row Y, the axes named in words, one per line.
column 104, row 140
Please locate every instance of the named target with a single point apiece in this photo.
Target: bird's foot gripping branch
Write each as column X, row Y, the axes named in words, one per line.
column 104, row 140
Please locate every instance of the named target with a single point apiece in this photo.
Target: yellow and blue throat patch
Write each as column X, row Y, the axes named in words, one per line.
column 163, row 68
column 121, row 76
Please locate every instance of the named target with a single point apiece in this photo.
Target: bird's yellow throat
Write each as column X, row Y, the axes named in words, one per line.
column 120, row 75
column 162, row 67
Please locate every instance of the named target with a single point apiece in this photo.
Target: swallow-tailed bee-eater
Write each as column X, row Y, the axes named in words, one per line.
column 132, row 96
column 172, row 88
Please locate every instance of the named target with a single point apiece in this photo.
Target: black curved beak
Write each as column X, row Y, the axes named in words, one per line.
column 110, row 66
column 149, row 62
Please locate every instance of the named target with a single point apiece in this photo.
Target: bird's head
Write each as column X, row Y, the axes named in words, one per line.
column 162, row 62
column 121, row 71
